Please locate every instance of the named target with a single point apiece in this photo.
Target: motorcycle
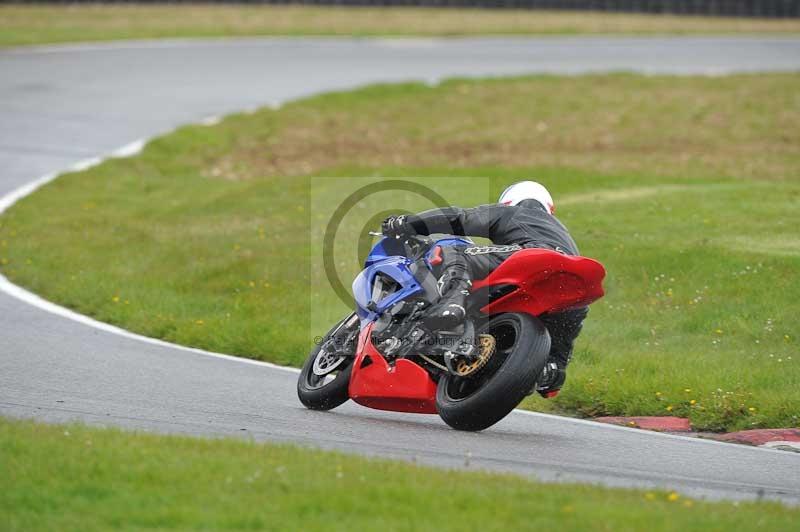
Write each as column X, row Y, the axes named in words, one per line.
column 381, row 356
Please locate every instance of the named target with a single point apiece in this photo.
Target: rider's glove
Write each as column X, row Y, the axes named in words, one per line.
column 396, row 227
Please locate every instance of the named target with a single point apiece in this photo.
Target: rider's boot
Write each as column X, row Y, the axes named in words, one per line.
column 449, row 312
column 551, row 379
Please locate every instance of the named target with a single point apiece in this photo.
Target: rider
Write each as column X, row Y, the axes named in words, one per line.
column 522, row 218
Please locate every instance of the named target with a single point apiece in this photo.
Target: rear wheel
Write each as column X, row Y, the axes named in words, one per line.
column 483, row 398
column 325, row 377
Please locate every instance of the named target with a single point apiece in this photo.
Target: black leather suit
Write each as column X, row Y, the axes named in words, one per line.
column 510, row 228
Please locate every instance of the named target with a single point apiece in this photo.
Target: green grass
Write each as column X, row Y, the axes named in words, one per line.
column 686, row 188
column 25, row 24
column 77, row 478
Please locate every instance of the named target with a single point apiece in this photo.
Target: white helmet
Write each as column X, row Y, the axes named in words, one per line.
column 525, row 190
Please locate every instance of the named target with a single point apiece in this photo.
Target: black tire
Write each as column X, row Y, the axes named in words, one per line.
column 479, row 402
column 317, row 396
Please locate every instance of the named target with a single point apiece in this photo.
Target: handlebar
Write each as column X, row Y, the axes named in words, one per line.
column 414, row 251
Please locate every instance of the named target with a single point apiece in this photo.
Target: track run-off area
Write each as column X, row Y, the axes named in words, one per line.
column 63, row 106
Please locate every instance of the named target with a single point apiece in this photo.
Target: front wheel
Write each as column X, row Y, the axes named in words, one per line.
column 325, row 377
column 480, row 400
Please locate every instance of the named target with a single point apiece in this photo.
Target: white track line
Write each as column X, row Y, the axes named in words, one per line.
column 20, row 293
column 15, row 195
column 795, row 445
column 32, row 299
column 211, row 121
column 133, row 148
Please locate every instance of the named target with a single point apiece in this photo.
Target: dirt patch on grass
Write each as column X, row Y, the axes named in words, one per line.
column 638, row 193
column 781, row 244
column 741, row 126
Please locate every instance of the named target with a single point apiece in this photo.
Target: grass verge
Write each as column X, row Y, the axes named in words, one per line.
column 684, row 187
column 77, row 478
column 25, row 24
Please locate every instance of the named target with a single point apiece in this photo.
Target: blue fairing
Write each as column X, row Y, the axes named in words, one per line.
column 399, row 269
column 395, row 266
column 377, row 253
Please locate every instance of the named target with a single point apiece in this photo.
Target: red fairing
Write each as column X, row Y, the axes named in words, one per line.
column 403, row 387
column 546, row 281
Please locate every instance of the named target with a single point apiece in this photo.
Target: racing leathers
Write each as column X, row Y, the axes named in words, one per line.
column 510, row 228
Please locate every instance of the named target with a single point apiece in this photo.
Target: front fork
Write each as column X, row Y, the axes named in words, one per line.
column 339, row 337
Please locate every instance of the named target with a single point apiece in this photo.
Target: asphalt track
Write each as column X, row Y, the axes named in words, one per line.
column 62, row 104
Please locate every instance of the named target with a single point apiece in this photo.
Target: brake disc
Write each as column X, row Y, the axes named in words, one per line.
column 326, row 362
column 328, row 359
column 486, row 348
